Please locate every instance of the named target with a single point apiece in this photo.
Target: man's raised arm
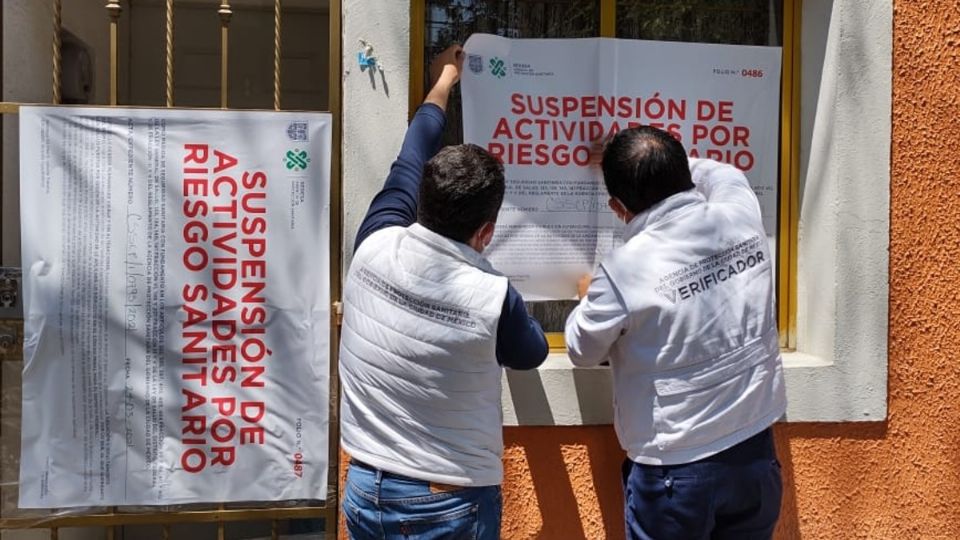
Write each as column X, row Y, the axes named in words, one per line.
column 722, row 183
column 396, row 204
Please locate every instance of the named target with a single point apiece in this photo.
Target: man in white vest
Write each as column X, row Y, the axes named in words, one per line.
column 428, row 326
column 684, row 313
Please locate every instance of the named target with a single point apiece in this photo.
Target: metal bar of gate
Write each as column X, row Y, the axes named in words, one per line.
column 276, row 54
column 57, row 69
column 168, row 47
column 114, row 8
column 225, row 14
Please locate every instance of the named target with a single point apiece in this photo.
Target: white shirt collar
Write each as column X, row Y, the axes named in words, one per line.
column 661, row 211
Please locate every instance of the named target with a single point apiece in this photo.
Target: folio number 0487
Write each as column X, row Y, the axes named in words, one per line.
column 298, row 464
column 755, row 73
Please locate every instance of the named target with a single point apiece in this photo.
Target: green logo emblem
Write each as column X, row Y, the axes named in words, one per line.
column 296, row 160
column 498, row 68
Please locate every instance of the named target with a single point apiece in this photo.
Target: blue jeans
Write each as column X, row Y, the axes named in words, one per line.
column 387, row 506
column 732, row 495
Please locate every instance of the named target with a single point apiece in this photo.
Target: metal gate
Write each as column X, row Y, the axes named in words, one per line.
column 113, row 519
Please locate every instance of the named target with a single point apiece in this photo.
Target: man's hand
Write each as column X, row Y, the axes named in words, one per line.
column 444, row 75
column 596, row 151
column 583, row 284
column 446, row 67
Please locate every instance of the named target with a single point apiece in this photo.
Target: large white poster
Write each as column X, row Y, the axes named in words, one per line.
column 541, row 105
column 176, row 306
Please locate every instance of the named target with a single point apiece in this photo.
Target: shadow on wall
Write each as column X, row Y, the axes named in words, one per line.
column 565, row 482
column 788, row 528
column 562, row 483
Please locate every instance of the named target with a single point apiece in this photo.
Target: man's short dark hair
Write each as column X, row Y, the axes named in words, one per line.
column 643, row 166
column 462, row 189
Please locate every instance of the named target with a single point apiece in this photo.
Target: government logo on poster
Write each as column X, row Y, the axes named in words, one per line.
column 475, row 62
column 296, row 160
column 297, row 131
column 498, row 68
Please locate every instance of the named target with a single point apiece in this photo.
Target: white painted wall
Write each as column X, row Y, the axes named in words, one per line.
column 374, row 108
column 89, row 21
column 843, row 264
column 27, row 57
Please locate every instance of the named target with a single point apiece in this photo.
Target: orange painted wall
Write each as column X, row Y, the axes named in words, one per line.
column 894, row 479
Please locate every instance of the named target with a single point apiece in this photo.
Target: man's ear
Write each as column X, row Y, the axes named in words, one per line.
column 619, row 209
column 484, row 235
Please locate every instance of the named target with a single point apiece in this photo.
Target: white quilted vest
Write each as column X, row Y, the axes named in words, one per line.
column 418, row 370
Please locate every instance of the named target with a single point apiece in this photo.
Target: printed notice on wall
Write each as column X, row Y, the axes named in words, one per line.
column 542, row 105
column 176, row 306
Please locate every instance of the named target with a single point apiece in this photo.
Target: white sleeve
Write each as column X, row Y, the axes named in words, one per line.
column 722, row 183
column 596, row 323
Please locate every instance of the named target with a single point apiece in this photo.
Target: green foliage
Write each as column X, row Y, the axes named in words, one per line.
column 740, row 22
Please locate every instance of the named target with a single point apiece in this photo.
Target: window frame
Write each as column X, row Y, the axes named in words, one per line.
column 789, row 185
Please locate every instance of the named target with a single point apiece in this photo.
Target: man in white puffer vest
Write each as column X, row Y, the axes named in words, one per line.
column 684, row 313
column 428, row 326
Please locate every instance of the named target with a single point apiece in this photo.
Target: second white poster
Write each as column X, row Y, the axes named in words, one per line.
column 541, row 106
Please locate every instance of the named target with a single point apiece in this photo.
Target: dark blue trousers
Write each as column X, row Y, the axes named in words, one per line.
column 731, row 495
